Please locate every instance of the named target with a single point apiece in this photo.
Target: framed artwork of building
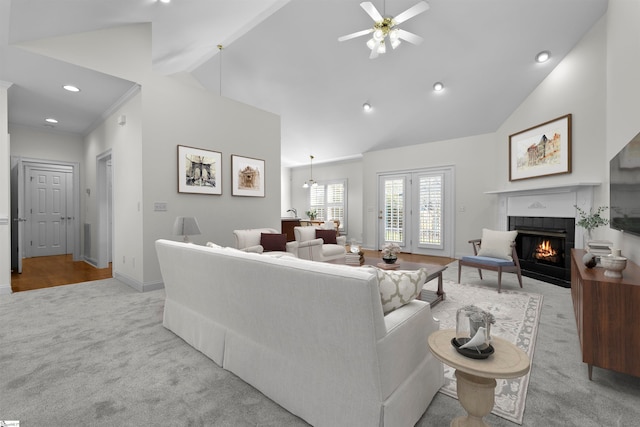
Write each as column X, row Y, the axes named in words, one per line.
column 199, row 171
column 542, row 150
column 247, row 176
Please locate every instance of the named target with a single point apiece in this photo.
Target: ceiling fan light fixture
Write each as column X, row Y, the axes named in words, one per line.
column 371, row 44
column 543, row 56
column 438, row 86
column 382, row 47
column 395, row 43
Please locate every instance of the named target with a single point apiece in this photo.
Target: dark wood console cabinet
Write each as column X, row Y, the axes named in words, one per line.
column 607, row 316
column 287, row 225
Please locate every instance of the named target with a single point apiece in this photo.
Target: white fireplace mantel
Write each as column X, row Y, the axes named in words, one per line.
column 556, row 202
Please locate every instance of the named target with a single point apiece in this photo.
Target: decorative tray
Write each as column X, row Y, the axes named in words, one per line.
column 385, row 266
column 472, row 353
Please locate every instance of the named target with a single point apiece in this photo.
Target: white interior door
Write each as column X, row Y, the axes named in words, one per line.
column 416, row 211
column 47, row 214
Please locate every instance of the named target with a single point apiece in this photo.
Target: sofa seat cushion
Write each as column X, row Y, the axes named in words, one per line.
column 273, row 242
column 494, row 262
column 332, row 250
column 328, row 236
column 399, row 287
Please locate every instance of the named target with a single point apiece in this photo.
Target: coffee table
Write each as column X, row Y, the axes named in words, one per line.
column 475, row 378
column 434, row 271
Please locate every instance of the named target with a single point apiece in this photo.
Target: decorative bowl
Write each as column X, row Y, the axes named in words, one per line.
column 613, row 265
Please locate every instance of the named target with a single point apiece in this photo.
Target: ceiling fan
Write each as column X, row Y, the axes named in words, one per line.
column 384, row 27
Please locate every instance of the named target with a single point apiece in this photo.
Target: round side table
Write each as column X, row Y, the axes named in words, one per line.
column 475, row 378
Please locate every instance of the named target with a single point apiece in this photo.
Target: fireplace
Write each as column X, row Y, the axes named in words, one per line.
column 544, row 247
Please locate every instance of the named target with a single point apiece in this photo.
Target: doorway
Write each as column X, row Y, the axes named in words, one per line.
column 45, row 209
column 415, row 210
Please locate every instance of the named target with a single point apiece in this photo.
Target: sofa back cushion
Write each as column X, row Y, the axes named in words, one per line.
column 273, row 242
column 329, row 236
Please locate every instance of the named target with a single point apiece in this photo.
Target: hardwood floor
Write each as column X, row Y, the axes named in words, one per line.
column 49, row 271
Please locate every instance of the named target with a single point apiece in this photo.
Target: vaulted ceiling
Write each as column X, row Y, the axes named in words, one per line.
column 284, row 57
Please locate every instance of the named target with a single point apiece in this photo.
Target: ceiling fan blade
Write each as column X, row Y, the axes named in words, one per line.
column 371, row 11
column 411, row 12
column 410, row 37
column 354, row 35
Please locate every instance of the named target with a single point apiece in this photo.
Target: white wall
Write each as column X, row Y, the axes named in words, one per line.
column 623, row 94
column 174, row 111
column 5, row 167
column 125, row 143
column 474, row 159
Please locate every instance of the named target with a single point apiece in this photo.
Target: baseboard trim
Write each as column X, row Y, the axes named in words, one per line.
column 137, row 285
column 91, row 261
column 5, row 289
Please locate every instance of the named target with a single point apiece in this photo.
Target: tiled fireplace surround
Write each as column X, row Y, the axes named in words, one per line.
column 546, row 205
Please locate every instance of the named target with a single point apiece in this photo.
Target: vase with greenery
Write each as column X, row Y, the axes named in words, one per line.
column 591, row 220
column 311, row 213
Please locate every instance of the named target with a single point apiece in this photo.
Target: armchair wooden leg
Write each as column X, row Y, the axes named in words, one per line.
column 459, row 271
column 520, row 278
column 480, row 273
column 499, row 281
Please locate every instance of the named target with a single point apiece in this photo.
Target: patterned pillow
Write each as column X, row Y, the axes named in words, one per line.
column 273, row 242
column 399, row 287
column 329, row 236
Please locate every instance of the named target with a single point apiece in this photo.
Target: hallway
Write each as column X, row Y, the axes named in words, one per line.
column 49, row 271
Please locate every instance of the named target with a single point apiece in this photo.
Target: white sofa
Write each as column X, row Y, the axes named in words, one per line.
column 311, row 336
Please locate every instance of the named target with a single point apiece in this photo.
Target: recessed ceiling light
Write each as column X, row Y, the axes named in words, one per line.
column 164, row 1
column 438, row 86
column 366, row 106
column 51, row 120
column 543, row 56
column 71, row 88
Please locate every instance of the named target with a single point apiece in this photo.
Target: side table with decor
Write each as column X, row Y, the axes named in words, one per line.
column 476, row 378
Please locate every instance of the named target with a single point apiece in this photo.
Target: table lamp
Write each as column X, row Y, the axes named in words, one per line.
column 186, row 226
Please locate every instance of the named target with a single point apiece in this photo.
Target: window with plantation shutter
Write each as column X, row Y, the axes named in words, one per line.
column 329, row 199
column 430, row 221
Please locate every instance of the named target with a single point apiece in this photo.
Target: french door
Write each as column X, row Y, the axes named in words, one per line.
column 415, row 210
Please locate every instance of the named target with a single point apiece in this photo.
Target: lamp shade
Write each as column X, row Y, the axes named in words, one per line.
column 186, row 226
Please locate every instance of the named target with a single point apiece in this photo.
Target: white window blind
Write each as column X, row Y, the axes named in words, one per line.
column 329, row 199
column 431, row 201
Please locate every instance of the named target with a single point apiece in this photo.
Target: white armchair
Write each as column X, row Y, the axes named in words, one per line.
column 250, row 240
column 315, row 248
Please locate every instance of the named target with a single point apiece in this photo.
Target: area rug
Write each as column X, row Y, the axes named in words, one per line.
column 517, row 316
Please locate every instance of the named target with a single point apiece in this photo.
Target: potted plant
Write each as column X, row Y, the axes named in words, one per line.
column 311, row 213
column 591, row 220
column 390, row 252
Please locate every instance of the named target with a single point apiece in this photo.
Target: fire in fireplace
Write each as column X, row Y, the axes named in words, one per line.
column 544, row 247
column 545, row 252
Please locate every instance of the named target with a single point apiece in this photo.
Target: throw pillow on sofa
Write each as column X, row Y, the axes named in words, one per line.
column 399, row 287
column 273, row 242
column 329, row 236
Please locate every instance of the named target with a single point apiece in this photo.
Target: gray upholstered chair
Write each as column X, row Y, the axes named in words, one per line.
column 313, row 247
column 496, row 251
column 252, row 240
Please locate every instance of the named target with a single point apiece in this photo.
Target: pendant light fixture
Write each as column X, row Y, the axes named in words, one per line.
column 220, row 74
column 310, row 182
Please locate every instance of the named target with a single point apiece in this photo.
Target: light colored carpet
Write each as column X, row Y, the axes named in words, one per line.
column 517, row 316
